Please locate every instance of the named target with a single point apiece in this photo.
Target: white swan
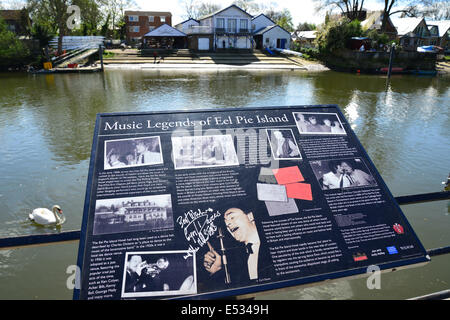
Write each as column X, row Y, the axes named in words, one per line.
column 43, row 216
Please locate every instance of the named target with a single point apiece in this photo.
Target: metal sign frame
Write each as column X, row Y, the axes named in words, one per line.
column 419, row 257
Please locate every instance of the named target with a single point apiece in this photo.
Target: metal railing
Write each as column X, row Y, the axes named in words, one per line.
column 74, row 235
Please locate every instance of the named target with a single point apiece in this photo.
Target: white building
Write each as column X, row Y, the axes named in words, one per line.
column 267, row 34
column 261, row 21
column 233, row 28
column 228, row 28
column 187, row 26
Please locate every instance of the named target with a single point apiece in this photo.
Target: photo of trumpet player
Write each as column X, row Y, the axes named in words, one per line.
column 237, row 256
column 134, row 152
column 161, row 273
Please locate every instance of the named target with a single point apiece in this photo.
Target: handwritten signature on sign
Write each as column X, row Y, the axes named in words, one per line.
column 198, row 226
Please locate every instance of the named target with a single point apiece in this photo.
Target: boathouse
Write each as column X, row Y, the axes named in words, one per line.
column 165, row 37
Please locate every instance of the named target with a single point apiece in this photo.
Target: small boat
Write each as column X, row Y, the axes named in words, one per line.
column 424, row 72
column 393, row 70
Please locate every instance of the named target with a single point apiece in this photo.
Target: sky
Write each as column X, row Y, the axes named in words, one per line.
column 301, row 10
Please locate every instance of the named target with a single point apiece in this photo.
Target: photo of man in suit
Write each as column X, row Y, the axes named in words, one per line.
column 147, row 152
column 245, row 261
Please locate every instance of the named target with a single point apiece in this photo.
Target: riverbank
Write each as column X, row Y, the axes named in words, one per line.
column 185, row 59
column 443, row 67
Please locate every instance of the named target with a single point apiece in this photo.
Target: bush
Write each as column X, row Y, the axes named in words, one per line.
column 336, row 34
column 12, row 51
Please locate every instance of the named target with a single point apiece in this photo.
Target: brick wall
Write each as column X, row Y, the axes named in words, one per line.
column 144, row 23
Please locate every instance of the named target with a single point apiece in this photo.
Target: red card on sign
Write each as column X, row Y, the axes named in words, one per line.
column 300, row 191
column 288, row 175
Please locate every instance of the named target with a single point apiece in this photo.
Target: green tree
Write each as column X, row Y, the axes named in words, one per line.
column 405, row 7
column 282, row 18
column 206, row 8
column 348, row 8
column 41, row 33
column 91, row 15
column 336, row 34
column 249, row 6
column 12, row 50
column 51, row 14
column 115, row 9
column 306, row 26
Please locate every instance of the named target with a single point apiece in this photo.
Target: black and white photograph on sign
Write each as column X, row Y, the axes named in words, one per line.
column 236, row 256
column 159, row 273
column 342, row 173
column 318, row 123
column 204, row 151
column 133, row 214
column 283, row 144
column 132, row 152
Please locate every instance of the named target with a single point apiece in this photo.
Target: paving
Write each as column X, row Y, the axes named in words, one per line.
column 186, row 59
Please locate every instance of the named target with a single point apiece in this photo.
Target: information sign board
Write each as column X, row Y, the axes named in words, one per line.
column 213, row 203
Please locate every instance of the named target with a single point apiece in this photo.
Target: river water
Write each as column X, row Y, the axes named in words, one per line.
column 46, row 131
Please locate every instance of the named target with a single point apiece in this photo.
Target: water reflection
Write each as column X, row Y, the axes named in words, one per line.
column 47, row 122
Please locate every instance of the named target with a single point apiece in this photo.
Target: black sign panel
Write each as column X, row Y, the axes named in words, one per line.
column 216, row 203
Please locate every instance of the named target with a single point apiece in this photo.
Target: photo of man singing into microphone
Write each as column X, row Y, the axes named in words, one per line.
column 237, row 256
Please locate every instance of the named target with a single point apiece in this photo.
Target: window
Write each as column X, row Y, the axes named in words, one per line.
column 134, row 29
column 244, row 25
column 151, row 19
column 163, row 19
column 133, row 18
column 220, row 23
column 231, row 25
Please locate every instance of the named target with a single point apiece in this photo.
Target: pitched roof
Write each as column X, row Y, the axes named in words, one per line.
column 165, row 30
column 220, row 10
column 265, row 29
column 262, row 14
column 406, row 25
column 443, row 26
column 10, row 14
column 371, row 19
column 187, row 21
column 307, row 34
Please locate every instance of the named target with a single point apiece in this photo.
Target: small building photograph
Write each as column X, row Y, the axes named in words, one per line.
column 133, row 214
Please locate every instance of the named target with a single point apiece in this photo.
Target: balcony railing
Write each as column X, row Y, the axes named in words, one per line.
column 198, row 30
column 232, row 31
column 210, row 30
